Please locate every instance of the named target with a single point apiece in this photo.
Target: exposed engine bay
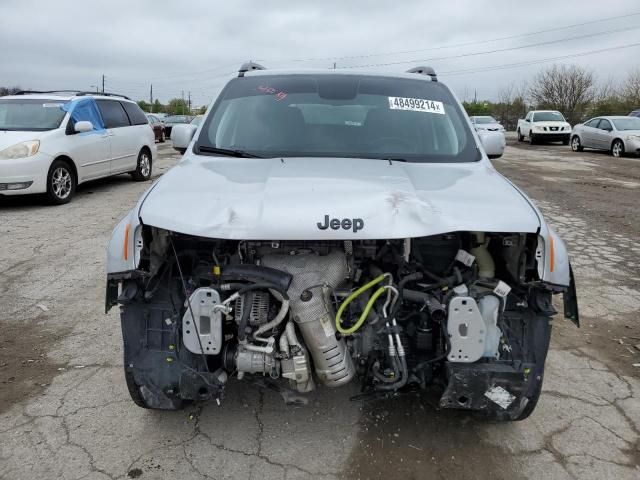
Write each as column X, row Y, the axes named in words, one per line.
column 464, row 312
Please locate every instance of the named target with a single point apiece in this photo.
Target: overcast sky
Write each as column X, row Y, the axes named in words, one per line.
column 197, row 45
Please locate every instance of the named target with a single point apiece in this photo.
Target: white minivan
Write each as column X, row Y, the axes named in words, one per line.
column 52, row 141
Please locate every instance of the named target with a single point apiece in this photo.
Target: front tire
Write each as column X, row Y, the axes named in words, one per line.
column 162, row 137
column 617, row 148
column 520, row 136
column 532, row 138
column 61, row 183
column 143, row 167
column 576, row 146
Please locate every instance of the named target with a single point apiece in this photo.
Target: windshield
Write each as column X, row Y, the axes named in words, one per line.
column 481, row 120
column 28, row 114
column 197, row 120
column 339, row 116
column 630, row 123
column 548, row 117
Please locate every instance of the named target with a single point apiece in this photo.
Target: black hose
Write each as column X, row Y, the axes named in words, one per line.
column 264, row 286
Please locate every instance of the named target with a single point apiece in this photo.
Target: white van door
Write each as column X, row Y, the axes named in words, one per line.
column 123, row 147
column 91, row 152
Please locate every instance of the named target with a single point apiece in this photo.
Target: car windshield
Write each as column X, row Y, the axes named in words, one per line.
column 548, row 117
column 630, row 123
column 28, row 114
column 331, row 115
column 484, row 120
column 197, row 120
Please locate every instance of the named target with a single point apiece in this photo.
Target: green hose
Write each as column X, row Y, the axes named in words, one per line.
column 365, row 313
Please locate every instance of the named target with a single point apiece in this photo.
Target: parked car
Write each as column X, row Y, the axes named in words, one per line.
column 482, row 122
column 616, row 134
column 197, row 120
column 328, row 226
column 635, row 113
column 544, row 126
column 171, row 120
column 158, row 127
column 50, row 142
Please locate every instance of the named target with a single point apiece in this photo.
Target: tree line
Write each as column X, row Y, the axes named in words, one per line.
column 175, row 106
column 571, row 89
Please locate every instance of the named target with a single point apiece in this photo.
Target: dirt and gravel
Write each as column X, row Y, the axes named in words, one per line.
column 65, row 412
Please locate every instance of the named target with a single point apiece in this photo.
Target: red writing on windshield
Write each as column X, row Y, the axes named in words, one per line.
column 279, row 94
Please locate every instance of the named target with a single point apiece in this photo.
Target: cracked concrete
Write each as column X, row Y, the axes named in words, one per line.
column 74, row 420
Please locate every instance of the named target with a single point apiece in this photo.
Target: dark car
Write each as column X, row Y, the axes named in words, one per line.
column 158, row 127
column 635, row 113
column 172, row 120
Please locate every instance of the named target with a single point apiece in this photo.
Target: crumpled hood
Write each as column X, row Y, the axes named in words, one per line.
column 294, row 198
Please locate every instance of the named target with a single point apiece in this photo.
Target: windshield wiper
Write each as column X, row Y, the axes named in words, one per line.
column 227, row 152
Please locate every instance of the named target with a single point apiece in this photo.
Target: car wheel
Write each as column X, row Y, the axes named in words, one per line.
column 162, row 137
column 576, row 146
column 532, row 138
column 617, row 148
column 520, row 136
column 61, row 183
column 143, row 168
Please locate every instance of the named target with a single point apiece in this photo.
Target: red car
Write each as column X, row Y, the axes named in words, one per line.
column 158, row 127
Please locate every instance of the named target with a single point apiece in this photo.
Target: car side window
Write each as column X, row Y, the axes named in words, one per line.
column 605, row 125
column 113, row 114
column 593, row 123
column 135, row 113
column 528, row 117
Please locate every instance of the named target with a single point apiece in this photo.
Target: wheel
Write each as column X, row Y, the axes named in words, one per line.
column 532, row 138
column 617, row 148
column 143, row 169
column 576, row 146
column 162, row 137
column 61, row 183
column 520, row 136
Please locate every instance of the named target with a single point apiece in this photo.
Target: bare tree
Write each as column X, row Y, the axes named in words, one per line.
column 631, row 89
column 567, row 88
column 9, row 91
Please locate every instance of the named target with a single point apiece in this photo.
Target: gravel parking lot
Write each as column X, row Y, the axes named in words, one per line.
column 65, row 412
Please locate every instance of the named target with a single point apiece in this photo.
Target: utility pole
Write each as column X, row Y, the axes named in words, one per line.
column 182, row 104
column 151, row 94
column 189, row 103
column 334, row 65
column 103, row 83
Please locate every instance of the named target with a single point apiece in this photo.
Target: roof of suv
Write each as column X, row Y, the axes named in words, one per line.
column 338, row 71
column 67, row 96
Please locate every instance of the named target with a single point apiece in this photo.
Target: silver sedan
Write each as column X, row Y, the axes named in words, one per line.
column 618, row 135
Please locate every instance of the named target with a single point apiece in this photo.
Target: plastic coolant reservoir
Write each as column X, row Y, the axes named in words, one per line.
column 488, row 306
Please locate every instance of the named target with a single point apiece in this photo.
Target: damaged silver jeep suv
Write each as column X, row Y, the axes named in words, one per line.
column 326, row 228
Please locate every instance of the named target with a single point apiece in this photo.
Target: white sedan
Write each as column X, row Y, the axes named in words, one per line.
column 619, row 135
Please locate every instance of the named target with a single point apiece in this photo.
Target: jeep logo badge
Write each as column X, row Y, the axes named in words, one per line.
column 354, row 224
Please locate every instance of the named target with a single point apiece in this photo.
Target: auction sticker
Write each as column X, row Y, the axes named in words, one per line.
column 416, row 105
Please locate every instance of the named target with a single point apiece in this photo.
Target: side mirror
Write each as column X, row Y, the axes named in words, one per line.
column 493, row 143
column 181, row 136
column 83, row 126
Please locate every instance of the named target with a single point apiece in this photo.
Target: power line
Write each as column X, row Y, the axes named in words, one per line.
column 465, row 44
column 498, row 50
column 534, row 62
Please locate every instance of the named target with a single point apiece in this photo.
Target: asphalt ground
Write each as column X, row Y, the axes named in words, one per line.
column 65, row 412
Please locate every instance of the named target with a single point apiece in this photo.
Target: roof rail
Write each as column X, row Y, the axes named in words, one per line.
column 27, row 92
column 424, row 71
column 104, row 94
column 249, row 66
column 78, row 93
